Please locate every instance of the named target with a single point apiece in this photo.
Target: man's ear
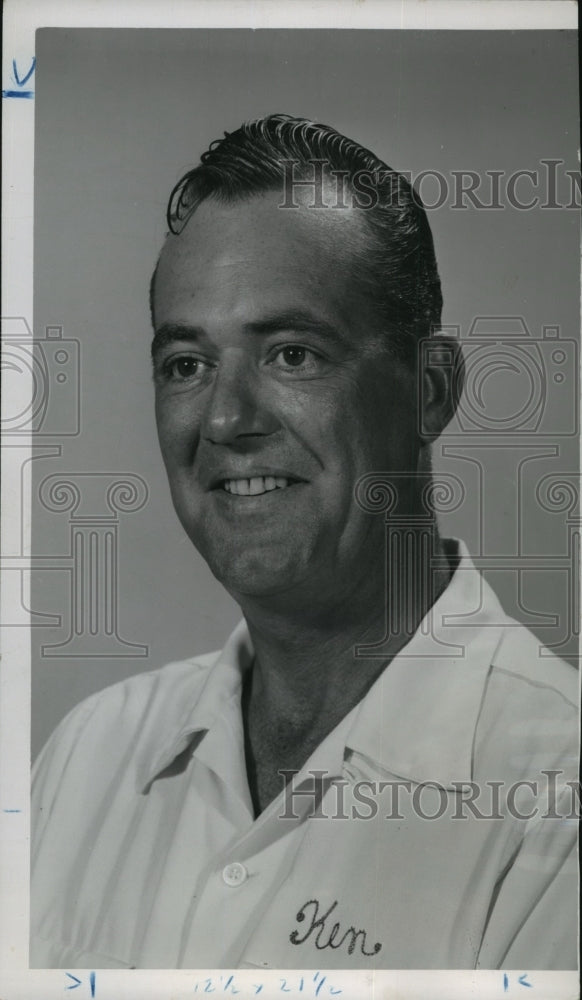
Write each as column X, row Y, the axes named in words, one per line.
column 441, row 373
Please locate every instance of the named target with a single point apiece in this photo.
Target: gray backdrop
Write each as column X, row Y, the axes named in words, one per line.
column 120, row 115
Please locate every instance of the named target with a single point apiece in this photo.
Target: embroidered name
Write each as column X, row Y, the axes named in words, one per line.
column 326, row 936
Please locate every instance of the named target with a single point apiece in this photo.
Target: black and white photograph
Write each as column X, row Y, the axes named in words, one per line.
column 293, row 543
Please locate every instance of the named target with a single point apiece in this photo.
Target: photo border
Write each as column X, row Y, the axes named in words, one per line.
column 17, row 981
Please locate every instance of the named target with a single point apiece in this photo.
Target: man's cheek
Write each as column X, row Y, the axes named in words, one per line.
column 177, row 436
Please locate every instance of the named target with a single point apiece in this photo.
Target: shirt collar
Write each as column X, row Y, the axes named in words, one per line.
column 418, row 719
column 196, row 715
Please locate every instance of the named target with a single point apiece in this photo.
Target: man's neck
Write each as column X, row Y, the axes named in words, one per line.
column 306, row 675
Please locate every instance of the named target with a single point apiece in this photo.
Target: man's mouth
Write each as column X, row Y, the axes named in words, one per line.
column 256, row 485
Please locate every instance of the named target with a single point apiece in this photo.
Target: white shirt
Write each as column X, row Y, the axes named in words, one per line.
column 146, row 852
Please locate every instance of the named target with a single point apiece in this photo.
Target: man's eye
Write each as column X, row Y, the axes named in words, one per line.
column 183, row 368
column 295, row 356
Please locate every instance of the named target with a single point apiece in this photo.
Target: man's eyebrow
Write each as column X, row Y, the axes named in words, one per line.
column 169, row 333
column 298, row 320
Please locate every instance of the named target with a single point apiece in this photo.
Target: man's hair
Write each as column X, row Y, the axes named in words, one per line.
column 397, row 268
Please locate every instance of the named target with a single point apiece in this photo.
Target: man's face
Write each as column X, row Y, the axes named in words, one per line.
column 275, row 393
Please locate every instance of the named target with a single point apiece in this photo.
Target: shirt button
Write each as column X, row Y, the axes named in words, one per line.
column 234, row 874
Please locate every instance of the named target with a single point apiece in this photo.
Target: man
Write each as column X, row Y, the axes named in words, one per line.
column 296, row 800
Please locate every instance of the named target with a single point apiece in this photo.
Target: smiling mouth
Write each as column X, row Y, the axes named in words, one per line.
column 256, row 485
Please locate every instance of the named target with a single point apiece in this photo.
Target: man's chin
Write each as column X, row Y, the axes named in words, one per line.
column 250, row 576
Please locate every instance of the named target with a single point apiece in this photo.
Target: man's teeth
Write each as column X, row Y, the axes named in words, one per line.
column 252, row 487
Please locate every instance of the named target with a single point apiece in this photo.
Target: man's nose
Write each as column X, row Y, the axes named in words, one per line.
column 238, row 406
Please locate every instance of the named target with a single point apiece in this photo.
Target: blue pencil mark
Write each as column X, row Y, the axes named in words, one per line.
column 92, row 983
column 20, row 82
column 12, row 810
column 28, row 94
column 75, row 984
column 26, row 78
column 505, row 982
column 227, row 984
column 523, row 980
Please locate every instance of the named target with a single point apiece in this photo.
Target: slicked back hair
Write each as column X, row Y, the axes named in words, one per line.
column 397, row 270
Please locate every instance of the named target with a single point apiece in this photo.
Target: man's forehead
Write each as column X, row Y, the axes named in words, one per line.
column 234, row 263
column 244, row 229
